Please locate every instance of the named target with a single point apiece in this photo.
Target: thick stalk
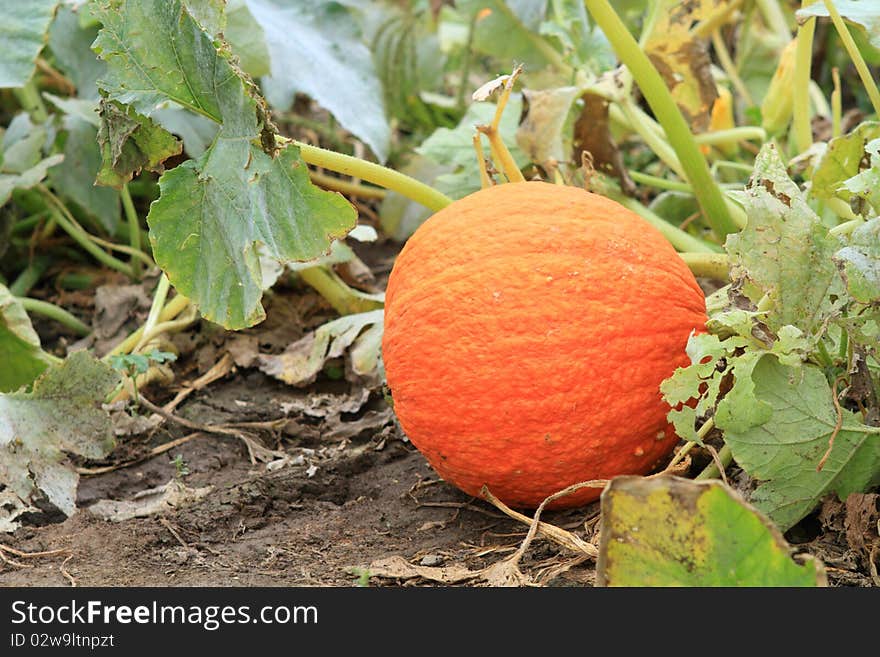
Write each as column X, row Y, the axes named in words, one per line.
column 404, row 185
column 156, row 307
column 732, row 135
column 654, row 89
column 725, row 455
column 134, row 229
column 681, row 240
column 708, row 265
column 30, row 276
column 855, row 56
column 346, row 186
column 172, row 309
column 803, row 131
column 338, row 294
column 31, row 102
column 52, row 311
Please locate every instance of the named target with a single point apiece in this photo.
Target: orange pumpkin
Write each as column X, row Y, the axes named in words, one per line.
column 528, row 327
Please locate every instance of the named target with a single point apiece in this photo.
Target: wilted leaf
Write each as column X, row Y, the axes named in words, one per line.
column 62, row 415
column 785, row 250
column 683, row 60
column 592, row 134
column 301, row 362
column 314, row 49
column 20, row 352
column 131, row 142
column 540, row 134
column 783, row 452
column 23, row 27
column 670, row 531
column 860, row 262
column 842, row 161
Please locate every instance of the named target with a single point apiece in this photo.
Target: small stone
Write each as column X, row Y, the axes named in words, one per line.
column 431, row 560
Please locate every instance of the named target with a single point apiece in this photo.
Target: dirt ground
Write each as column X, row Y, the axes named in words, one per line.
column 325, row 491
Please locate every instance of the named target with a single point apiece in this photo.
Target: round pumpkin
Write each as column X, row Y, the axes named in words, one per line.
column 528, row 327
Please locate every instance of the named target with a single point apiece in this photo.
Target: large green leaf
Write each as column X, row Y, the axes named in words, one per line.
column 23, row 27
column 784, row 452
column 864, row 13
column 315, row 49
column 213, row 211
column 785, row 251
column 71, row 44
column 20, row 352
column 247, row 39
column 677, row 532
column 500, row 33
column 62, row 415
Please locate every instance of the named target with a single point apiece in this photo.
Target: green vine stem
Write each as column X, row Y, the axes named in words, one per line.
column 836, row 104
column 732, row 135
column 855, row 55
column 803, row 62
column 171, row 310
column 344, row 299
column 30, row 276
column 725, row 455
column 706, row 190
column 346, row 186
column 159, row 297
column 708, row 265
column 729, row 67
column 134, row 229
column 681, row 240
column 65, row 220
column 659, row 183
column 31, row 102
column 52, row 311
column 775, row 19
column 375, row 173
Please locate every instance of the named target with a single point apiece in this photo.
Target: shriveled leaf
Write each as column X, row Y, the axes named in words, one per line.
column 131, row 142
column 20, row 352
column 785, row 251
column 23, row 27
column 863, row 13
column 75, row 178
column 860, row 262
column 592, row 136
column 212, row 212
column 302, row 361
column 683, row 59
column 314, row 49
column 62, row 415
column 784, row 452
column 71, row 45
column 540, row 134
column 841, row 161
column 671, row 531
column 153, row 501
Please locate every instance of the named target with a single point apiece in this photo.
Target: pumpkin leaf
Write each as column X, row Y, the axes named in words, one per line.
column 671, row 531
column 62, row 415
column 864, row 14
column 20, row 352
column 841, row 162
column 860, row 262
column 23, row 28
column 785, row 251
column 784, row 451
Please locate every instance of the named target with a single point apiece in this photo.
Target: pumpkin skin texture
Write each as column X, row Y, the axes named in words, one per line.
column 528, row 327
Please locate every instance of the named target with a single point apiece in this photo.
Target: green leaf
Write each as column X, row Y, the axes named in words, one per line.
column 212, row 212
column 671, row 531
column 85, row 109
column 785, row 250
column 315, row 49
column 501, row 34
column 23, row 27
column 62, row 415
column 842, row 161
column 247, row 39
column 75, row 179
column 785, row 451
column 863, row 13
column 196, row 131
column 71, row 45
column 866, row 183
column 455, row 147
column 20, row 165
column 131, row 142
column 860, row 262
column 20, row 352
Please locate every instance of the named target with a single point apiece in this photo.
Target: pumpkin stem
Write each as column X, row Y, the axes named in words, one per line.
column 500, row 152
column 485, row 180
